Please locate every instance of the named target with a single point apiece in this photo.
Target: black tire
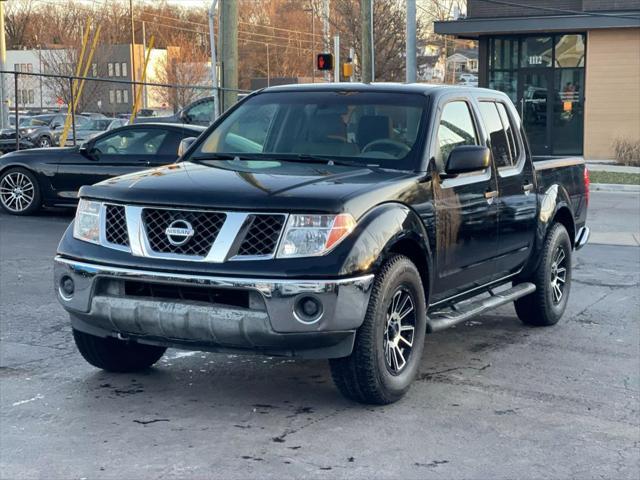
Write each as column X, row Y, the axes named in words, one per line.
column 543, row 308
column 44, row 142
column 116, row 355
column 8, row 178
column 367, row 375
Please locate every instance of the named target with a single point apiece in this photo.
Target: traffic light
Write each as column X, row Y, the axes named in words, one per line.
column 347, row 69
column 324, row 61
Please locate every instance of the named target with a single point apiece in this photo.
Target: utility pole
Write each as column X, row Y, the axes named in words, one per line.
column 133, row 51
column 325, row 34
column 144, row 49
column 311, row 9
column 214, row 61
column 410, row 52
column 366, row 20
column 4, row 107
column 336, row 56
column 229, row 51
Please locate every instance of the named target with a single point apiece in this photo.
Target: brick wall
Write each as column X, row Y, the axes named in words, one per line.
column 481, row 8
column 621, row 5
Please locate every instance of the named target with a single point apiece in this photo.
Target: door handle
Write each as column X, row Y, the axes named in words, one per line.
column 489, row 195
column 528, row 188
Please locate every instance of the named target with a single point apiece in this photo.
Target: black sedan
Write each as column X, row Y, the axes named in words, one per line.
column 31, row 179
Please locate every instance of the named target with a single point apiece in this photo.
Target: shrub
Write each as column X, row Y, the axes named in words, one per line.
column 627, row 152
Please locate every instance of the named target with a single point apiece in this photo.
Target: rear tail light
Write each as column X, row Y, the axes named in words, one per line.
column 587, row 182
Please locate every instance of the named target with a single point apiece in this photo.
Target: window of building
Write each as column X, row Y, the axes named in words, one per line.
column 94, row 69
column 118, row 96
column 498, row 140
column 124, row 69
column 112, row 96
column 569, row 51
column 116, row 68
column 125, row 96
column 110, row 69
column 32, row 96
column 456, row 128
column 537, row 52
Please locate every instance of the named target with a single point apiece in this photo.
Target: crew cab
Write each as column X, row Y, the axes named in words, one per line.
column 335, row 221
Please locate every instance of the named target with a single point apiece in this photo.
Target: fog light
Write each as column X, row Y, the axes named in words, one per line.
column 308, row 309
column 67, row 286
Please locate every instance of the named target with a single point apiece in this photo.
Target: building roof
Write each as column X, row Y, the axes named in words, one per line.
column 475, row 27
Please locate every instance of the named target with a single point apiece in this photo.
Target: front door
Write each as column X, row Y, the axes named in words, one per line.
column 535, row 104
column 114, row 153
column 466, row 210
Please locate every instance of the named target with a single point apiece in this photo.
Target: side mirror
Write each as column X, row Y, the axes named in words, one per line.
column 185, row 143
column 467, row 158
column 89, row 151
column 184, row 117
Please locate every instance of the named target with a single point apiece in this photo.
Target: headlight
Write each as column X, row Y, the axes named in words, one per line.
column 26, row 131
column 87, row 223
column 312, row 235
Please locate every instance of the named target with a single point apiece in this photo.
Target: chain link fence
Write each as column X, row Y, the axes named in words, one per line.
column 39, row 104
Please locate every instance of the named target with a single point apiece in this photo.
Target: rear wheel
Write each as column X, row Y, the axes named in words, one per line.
column 19, row 192
column 116, row 355
column 552, row 278
column 389, row 344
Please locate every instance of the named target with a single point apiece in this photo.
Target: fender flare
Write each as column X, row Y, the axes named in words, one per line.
column 383, row 231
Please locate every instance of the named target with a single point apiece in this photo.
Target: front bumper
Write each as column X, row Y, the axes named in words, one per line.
column 101, row 305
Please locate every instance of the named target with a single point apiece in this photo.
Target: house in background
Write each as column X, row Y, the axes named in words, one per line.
column 574, row 77
column 462, row 61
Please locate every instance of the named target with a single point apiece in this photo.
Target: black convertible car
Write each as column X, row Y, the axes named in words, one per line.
column 30, row 179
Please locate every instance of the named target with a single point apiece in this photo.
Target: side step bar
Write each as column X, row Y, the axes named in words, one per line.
column 458, row 313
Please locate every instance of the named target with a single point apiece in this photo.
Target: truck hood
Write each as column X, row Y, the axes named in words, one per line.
column 282, row 186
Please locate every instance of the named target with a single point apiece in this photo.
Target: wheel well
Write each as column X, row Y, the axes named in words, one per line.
column 412, row 249
column 563, row 216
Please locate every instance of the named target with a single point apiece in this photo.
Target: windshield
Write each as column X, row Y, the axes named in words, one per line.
column 368, row 128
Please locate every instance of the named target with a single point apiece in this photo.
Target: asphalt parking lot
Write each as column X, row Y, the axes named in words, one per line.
column 494, row 399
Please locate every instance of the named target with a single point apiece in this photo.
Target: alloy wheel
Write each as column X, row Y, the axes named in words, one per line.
column 558, row 275
column 399, row 331
column 16, row 192
column 44, row 143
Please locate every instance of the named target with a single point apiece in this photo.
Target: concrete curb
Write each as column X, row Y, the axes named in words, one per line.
column 614, row 187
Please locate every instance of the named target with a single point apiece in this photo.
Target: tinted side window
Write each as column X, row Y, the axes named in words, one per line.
column 510, row 128
column 132, row 142
column 456, row 128
column 201, row 113
column 497, row 136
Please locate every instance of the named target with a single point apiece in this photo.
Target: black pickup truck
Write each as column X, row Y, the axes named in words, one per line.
column 340, row 221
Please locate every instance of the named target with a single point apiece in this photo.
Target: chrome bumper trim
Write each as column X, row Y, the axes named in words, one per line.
column 344, row 300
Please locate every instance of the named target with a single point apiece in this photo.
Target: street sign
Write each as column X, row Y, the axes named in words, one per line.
column 324, row 61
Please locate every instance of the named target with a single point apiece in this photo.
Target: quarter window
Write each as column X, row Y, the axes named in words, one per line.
column 512, row 136
column 497, row 136
column 455, row 129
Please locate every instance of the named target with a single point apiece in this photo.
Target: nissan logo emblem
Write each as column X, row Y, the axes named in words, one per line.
column 179, row 232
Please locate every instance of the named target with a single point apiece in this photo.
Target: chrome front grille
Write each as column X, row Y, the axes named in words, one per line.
column 213, row 236
column 206, row 226
column 262, row 236
column 116, row 225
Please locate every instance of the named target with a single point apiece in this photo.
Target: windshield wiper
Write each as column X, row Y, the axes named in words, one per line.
column 309, row 158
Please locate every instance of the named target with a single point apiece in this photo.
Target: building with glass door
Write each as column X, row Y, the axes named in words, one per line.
column 574, row 77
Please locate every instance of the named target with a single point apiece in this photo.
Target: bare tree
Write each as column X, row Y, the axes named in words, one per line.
column 186, row 66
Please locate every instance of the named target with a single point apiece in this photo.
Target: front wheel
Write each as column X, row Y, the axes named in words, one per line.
column 116, row 355
column 44, row 142
column 389, row 344
column 552, row 279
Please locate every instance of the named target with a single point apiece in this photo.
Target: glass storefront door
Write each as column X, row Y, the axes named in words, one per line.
column 535, row 102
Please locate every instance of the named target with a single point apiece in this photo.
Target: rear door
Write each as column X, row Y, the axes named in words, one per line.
column 114, row 153
column 517, row 204
column 168, row 151
column 466, row 213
